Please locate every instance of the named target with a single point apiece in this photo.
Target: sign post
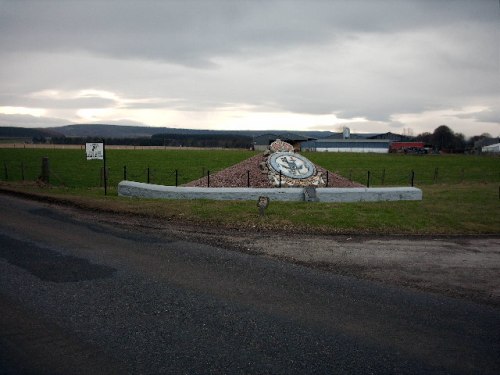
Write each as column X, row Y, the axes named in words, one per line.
column 105, row 171
column 97, row 151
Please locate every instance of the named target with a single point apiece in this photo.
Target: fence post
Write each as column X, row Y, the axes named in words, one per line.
column 148, row 175
column 327, row 179
column 248, row 178
column 412, row 177
column 368, row 182
column 45, row 170
column 208, row 178
column 125, row 172
column 103, row 175
column 280, row 180
column 176, row 178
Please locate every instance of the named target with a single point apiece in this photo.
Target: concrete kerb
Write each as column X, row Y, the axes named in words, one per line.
column 143, row 190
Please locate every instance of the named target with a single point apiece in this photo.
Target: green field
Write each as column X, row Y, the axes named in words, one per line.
column 396, row 169
column 70, row 168
column 462, row 197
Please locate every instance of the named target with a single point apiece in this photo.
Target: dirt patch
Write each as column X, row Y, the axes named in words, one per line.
column 458, row 267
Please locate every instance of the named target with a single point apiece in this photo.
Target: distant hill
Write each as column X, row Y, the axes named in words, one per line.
column 16, row 132
column 106, row 131
column 123, row 131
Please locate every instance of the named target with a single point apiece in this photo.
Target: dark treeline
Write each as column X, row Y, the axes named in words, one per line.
column 202, row 140
column 168, row 140
column 14, row 132
column 446, row 140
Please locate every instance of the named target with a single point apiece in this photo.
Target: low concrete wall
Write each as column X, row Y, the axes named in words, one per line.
column 369, row 194
column 138, row 189
column 142, row 190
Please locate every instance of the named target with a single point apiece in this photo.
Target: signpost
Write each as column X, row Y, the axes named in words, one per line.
column 97, row 151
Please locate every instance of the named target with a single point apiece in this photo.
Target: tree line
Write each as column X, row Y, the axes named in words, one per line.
column 442, row 139
column 446, row 140
column 167, row 140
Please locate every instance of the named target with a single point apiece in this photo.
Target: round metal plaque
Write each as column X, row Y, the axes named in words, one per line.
column 291, row 165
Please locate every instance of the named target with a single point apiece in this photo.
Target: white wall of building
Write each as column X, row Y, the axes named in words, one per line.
column 492, row 148
column 353, row 149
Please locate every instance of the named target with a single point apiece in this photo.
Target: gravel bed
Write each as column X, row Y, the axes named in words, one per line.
column 238, row 175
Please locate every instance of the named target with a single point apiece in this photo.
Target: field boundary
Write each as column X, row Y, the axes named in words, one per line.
column 108, row 147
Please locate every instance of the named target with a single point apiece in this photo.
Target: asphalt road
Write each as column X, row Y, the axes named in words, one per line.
column 78, row 296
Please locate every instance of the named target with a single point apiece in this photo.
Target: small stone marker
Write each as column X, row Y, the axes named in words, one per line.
column 310, row 194
column 262, row 203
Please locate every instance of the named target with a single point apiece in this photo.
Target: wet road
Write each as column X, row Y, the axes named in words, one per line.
column 78, row 297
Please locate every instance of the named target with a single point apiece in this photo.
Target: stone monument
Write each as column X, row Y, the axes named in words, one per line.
column 285, row 168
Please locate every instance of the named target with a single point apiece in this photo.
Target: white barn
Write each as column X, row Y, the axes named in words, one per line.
column 380, row 146
column 492, row 148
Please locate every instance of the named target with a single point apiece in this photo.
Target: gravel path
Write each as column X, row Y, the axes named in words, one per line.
column 238, row 175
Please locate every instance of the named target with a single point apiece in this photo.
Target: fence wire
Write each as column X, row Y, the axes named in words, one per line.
column 91, row 175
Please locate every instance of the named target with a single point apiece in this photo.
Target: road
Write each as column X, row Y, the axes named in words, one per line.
column 81, row 296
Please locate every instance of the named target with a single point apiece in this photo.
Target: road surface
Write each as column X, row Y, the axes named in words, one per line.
column 81, row 296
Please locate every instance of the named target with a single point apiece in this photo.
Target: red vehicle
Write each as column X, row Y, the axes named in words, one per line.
column 412, row 147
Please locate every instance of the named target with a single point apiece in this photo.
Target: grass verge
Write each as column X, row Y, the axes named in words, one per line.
column 459, row 209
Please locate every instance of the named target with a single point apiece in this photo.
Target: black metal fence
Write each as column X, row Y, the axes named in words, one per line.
column 92, row 175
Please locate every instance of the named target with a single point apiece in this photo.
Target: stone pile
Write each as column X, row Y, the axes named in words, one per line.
column 256, row 170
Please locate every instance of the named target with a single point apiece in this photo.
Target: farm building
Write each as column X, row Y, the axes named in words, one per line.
column 348, row 145
column 263, row 141
column 344, row 141
column 495, row 148
column 391, row 137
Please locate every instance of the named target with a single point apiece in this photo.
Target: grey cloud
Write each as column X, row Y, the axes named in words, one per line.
column 29, row 121
column 90, row 102
column 154, row 104
column 34, row 102
column 369, row 59
column 120, row 122
column 487, row 115
column 194, row 32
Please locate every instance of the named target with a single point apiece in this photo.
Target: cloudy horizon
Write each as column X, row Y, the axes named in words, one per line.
column 375, row 66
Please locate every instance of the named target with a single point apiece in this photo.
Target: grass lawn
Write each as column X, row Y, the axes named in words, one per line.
column 464, row 200
column 69, row 167
column 468, row 208
column 395, row 169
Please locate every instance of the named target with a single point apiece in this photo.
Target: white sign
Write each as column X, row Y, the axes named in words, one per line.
column 94, row 151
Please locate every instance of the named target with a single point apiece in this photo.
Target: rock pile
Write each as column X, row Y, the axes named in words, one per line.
column 250, row 173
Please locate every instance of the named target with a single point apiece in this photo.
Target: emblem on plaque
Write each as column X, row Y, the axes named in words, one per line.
column 291, row 165
column 286, row 168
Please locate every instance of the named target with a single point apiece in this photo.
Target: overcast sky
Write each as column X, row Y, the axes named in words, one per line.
column 375, row 66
